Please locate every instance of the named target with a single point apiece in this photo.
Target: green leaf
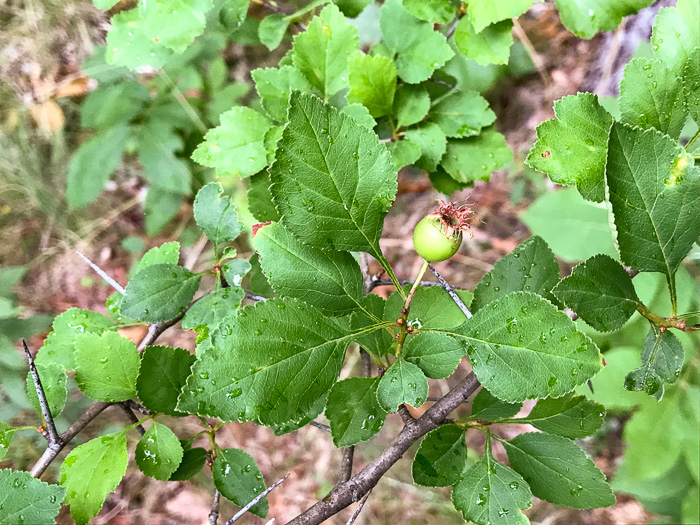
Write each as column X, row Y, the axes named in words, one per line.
column 352, row 8
column 233, row 14
column 322, row 52
column 215, row 214
column 531, row 267
column 437, row 11
column 260, row 199
column 691, row 84
column 104, row 4
column 158, row 452
column 270, row 363
column 238, row 478
column 106, row 366
column 662, row 360
column 690, row 410
column 234, row 271
column 353, row 411
column 6, row 434
column 418, row 49
column 432, row 142
column 193, row 460
column 652, row 97
column 522, row 347
column 360, row 115
column 130, row 45
column 174, row 23
column 601, row 292
column 237, row 146
column 572, row 148
column 372, row 83
column 403, row 382
column 168, row 252
column 558, row 471
column 483, row 13
column 379, row 342
column 487, row 406
column 332, row 191
column 113, row 104
column 160, row 208
column 302, row 420
column 676, row 34
column 161, row 167
column 411, row 104
column 159, row 293
column 24, row 499
column 462, row 114
column 272, row 29
column 431, row 308
column 490, row 46
column 570, row 416
column 691, row 507
column 90, row 472
column 654, row 187
column 213, row 308
column 492, row 493
column 441, row 458
column 9, row 277
column 53, row 382
column 274, row 85
column 587, row 220
column 437, row 355
column 585, row 18
column 329, row 280
column 474, row 158
column 93, row 163
column 162, row 376
column 403, row 153
column 59, row 346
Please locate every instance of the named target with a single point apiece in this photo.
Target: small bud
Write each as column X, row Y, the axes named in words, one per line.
column 662, row 329
column 399, row 321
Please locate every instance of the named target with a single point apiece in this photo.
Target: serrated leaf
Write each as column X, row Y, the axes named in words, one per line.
column 321, row 52
column 483, row 13
column 90, row 472
column 403, row 382
column 490, row 492
column 6, row 434
column 437, row 11
column 379, row 342
column 159, row 293
column 24, row 499
column 93, row 163
column 419, row 50
column 372, row 83
column 234, row 271
column 329, row 280
column 159, row 208
column 522, row 347
column 570, row 416
column 432, row 142
column 272, row 29
column 113, row 104
column 106, row 366
column 213, row 308
column 168, row 252
column 531, row 267
column 558, row 471
column 490, row 46
column 601, row 292
column 302, row 419
column 274, row 85
column 354, row 413
column 129, row 45
column 193, row 460
column 161, row 167
column 270, row 363
column 174, row 23
column 691, row 84
column 431, row 308
column 441, row 458
column 652, row 97
column 53, row 382
column 585, row 18
column 654, row 186
column 411, row 104
column 487, row 406
column 462, row 114
column 216, row 214
column 332, row 181
column 162, row 376
column 675, row 34
column 474, row 158
column 403, row 152
column 572, row 148
column 237, row 146
column 437, row 355
column 158, row 452
column 260, row 199
column 360, row 115
column 238, row 478
column 662, row 360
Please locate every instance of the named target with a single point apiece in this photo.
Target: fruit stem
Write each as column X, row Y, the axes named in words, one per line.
column 416, row 282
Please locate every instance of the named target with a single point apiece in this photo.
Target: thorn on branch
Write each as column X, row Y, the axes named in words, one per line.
column 255, row 500
column 53, row 438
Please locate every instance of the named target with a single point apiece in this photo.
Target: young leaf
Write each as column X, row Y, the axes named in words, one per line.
column 558, row 471
column 193, row 460
column 106, row 366
column 272, row 29
column 53, row 381
column 270, row 363
column 159, row 293
column 474, row 158
column 174, row 24
column 437, row 11
column 585, row 18
column 6, row 434
column 437, row 355
column 158, row 452
column 238, row 479
column 321, row 52
column 372, row 83
column 162, row 377
column 168, row 252
column 487, row 406
column 90, row 472
column 662, row 360
column 379, row 341
column 215, row 214
column 329, row 280
column 237, row 146
column 403, row 382
column 213, row 308
column 441, row 458
column 332, row 181
column 432, row 307
column 353, row 410
column 653, row 186
column 411, row 104
column 652, row 97
column 483, row 13
column 570, row 416
column 234, row 271
column 601, row 292
column 432, row 142
column 522, row 347
column 675, row 34
column 360, row 115
column 691, row 81
column 571, row 149
column 24, row 499
column 233, row 14
column 490, row 46
column 492, row 493
column 531, row 267
column 129, row 45
column 274, row 85
column 418, row 49
column 403, row 152
column 462, row 114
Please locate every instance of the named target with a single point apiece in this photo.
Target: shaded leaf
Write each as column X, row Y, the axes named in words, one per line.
column 162, row 376
column 353, row 411
column 238, row 478
column 158, row 452
column 441, row 458
column 403, row 382
column 487, row 406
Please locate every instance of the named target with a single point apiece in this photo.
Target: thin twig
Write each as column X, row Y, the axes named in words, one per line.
column 346, row 464
column 534, row 55
column 54, row 439
column 321, row 426
column 114, row 284
column 358, row 509
column 133, row 405
column 373, row 283
column 132, row 417
column 452, row 293
column 254, row 297
column 214, row 512
column 255, row 500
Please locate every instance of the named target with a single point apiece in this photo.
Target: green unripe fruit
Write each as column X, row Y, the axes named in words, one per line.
column 433, row 242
